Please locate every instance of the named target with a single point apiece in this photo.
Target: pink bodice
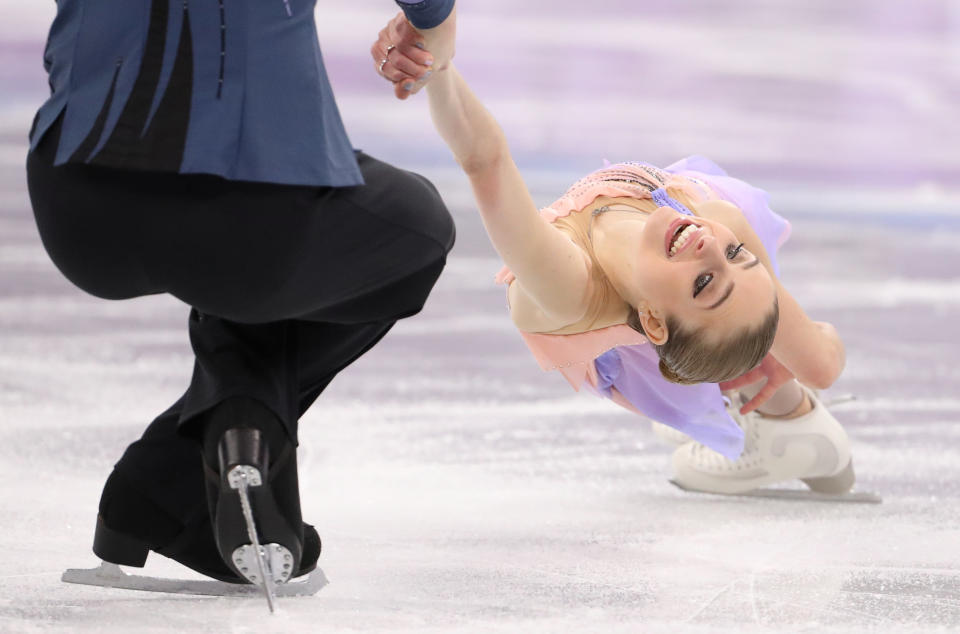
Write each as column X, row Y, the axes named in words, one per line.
column 573, row 354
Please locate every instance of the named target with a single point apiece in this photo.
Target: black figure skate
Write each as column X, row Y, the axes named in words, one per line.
column 203, row 528
column 254, row 496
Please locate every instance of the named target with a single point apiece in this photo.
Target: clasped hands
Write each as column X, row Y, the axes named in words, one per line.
column 408, row 57
column 775, row 373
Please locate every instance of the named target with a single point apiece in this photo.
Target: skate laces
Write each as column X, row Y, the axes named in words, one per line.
column 711, row 460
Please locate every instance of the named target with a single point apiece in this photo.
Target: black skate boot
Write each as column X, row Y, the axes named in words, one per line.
column 130, row 525
column 253, row 493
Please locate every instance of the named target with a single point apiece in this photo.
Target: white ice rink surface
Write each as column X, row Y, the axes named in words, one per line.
column 459, row 489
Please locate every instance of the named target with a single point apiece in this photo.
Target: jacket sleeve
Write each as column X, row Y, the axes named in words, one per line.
column 426, row 14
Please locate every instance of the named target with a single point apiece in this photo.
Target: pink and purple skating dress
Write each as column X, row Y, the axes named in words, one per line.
column 617, row 362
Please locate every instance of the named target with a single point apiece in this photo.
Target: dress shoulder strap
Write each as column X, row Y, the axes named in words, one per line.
column 663, row 199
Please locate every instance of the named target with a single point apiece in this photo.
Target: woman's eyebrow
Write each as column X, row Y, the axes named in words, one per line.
column 729, row 290
column 726, row 294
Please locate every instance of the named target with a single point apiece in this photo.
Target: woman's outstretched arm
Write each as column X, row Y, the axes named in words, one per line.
column 551, row 270
column 552, row 273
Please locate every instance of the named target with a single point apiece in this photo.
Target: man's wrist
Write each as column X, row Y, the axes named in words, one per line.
column 440, row 41
column 426, row 14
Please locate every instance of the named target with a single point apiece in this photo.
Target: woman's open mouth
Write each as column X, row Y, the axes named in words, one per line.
column 680, row 235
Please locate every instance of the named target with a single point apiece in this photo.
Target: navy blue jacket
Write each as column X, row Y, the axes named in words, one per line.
column 235, row 88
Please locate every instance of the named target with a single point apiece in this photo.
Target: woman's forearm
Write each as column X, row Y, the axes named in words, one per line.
column 811, row 350
column 470, row 131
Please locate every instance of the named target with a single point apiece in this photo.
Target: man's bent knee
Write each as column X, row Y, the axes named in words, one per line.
column 421, row 202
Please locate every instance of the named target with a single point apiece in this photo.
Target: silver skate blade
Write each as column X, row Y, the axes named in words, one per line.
column 839, row 399
column 797, row 495
column 240, row 478
column 109, row 575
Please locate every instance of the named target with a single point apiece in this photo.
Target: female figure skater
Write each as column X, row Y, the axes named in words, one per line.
column 194, row 148
column 652, row 286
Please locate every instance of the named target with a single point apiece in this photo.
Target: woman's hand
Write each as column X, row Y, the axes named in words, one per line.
column 412, row 55
column 770, row 369
column 400, row 56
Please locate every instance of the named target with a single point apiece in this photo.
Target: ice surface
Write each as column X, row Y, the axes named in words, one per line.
column 456, row 487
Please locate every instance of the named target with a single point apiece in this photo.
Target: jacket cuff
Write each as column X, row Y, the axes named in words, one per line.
column 426, row 14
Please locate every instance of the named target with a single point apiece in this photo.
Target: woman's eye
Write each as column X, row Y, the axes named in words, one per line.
column 704, row 280
column 701, row 283
column 734, row 251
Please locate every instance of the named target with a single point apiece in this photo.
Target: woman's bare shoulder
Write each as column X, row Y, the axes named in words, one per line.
column 602, row 308
column 598, row 305
column 529, row 316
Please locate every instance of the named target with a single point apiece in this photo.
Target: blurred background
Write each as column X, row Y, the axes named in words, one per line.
column 456, row 486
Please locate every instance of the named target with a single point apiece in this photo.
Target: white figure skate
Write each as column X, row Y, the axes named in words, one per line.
column 813, row 448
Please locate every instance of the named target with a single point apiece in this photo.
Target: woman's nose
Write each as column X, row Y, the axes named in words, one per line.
column 702, row 244
column 706, row 248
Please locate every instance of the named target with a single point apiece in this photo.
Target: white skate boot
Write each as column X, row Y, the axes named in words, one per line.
column 813, row 448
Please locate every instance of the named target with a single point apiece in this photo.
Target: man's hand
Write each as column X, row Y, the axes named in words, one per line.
column 412, row 56
column 770, row 369
column 400, row 56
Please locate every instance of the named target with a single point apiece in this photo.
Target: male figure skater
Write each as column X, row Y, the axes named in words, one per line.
column 194, row 148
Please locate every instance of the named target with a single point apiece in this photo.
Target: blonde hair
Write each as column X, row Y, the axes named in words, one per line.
column 686, row 358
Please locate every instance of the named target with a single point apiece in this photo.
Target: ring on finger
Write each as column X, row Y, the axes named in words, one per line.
column 390, row 47
column 382, row 64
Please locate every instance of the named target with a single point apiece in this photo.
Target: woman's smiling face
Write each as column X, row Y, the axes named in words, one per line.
column 692, row 268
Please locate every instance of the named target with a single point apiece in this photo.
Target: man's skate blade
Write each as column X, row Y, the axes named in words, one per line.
column 799, row 495
column 111, row 576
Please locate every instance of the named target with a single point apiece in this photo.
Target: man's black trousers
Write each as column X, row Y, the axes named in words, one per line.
column 288, row 284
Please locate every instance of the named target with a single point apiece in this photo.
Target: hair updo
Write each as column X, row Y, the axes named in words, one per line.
column 687, row 359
